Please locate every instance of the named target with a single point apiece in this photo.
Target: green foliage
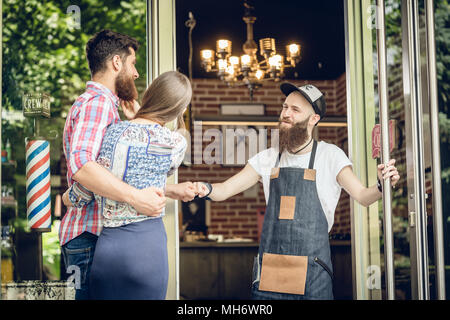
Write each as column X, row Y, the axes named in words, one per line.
column 51, row 253
column 44, row 52
column 442, row 38
column 40, row 54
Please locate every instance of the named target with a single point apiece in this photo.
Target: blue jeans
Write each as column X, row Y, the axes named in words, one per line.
column 78, row 254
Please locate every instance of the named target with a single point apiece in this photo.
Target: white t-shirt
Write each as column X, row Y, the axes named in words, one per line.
column 329, row 161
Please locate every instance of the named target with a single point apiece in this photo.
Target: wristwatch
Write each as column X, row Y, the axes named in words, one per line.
column 210, row 190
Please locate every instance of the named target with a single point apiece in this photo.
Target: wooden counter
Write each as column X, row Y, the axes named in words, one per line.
column 210, row 244
column 211, row 270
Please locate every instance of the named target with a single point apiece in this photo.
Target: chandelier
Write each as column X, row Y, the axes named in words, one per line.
column 248, row 70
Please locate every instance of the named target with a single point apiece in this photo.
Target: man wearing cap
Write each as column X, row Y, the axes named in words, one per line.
column 302, row 181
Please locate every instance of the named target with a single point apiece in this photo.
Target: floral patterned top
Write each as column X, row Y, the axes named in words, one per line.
column 142, row 155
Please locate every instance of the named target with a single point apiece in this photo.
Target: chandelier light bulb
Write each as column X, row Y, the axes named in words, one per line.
column 222, row 64
column 207, row 54
column 234, row 60
column 245, row 60
column 294, row 50
column 276, row 61
column 224, row 46
column 259, row 74
column 267, row 46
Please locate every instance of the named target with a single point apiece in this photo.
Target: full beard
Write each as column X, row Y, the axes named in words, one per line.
column 292, row 138
column 126, row 89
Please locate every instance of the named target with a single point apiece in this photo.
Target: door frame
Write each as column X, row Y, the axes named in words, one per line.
column 366, row 261
column 161, row 57
column 365, row 233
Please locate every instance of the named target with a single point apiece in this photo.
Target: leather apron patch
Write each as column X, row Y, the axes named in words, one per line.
column 274, row 173
column 287, row 208
column 310, row 174
column 283, row 273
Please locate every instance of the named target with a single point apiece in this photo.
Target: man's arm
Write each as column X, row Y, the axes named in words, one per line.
column 238, row 183
column 149, row 201
column 366, row 196
column 89, row 127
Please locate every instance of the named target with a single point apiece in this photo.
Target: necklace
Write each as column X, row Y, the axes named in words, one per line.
column 304, row 146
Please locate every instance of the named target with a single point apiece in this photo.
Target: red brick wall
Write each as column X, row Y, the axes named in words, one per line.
column 237, row 216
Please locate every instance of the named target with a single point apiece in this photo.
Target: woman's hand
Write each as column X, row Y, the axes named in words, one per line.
column 130, row 108
column 202, row 189
column 389, row 172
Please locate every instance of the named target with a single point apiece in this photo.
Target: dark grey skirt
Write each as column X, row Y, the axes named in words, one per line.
column 130, row 262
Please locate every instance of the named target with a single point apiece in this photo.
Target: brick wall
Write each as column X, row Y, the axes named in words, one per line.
column 237, row 216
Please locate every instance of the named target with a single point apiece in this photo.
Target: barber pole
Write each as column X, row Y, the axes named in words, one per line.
column 38, row 185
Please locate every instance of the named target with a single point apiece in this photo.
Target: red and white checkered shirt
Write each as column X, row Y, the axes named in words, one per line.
column 85, row 126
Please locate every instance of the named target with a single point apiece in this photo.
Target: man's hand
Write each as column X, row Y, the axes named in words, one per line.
column 389, row 172
column 66, row 200
column 185, row 191
column 202, row 189
column 366, row 195
column 149, row 201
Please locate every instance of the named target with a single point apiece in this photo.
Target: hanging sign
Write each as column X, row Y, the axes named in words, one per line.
column 36, row 104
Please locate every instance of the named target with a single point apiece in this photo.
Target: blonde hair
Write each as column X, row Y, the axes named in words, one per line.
column 166, row 98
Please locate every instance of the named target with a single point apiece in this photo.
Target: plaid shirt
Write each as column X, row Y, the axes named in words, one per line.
column 85, row 126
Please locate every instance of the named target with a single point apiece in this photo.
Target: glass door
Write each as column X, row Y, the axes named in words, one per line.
column 409, row 263
column 161, row 53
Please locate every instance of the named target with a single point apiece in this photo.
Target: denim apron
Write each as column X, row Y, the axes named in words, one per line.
column 293, row 261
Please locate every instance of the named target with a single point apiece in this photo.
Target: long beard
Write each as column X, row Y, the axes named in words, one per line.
column 292, row 138
column 126, row 89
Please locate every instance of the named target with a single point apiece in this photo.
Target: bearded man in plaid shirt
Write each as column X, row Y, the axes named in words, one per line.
column 112, row 58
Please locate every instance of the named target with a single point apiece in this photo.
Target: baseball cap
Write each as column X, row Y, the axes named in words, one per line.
column 311, row 93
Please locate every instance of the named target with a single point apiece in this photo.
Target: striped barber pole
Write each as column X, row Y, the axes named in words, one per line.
column 38, row 184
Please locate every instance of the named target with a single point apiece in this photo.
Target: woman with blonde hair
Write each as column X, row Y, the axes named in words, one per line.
column 130, row 259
